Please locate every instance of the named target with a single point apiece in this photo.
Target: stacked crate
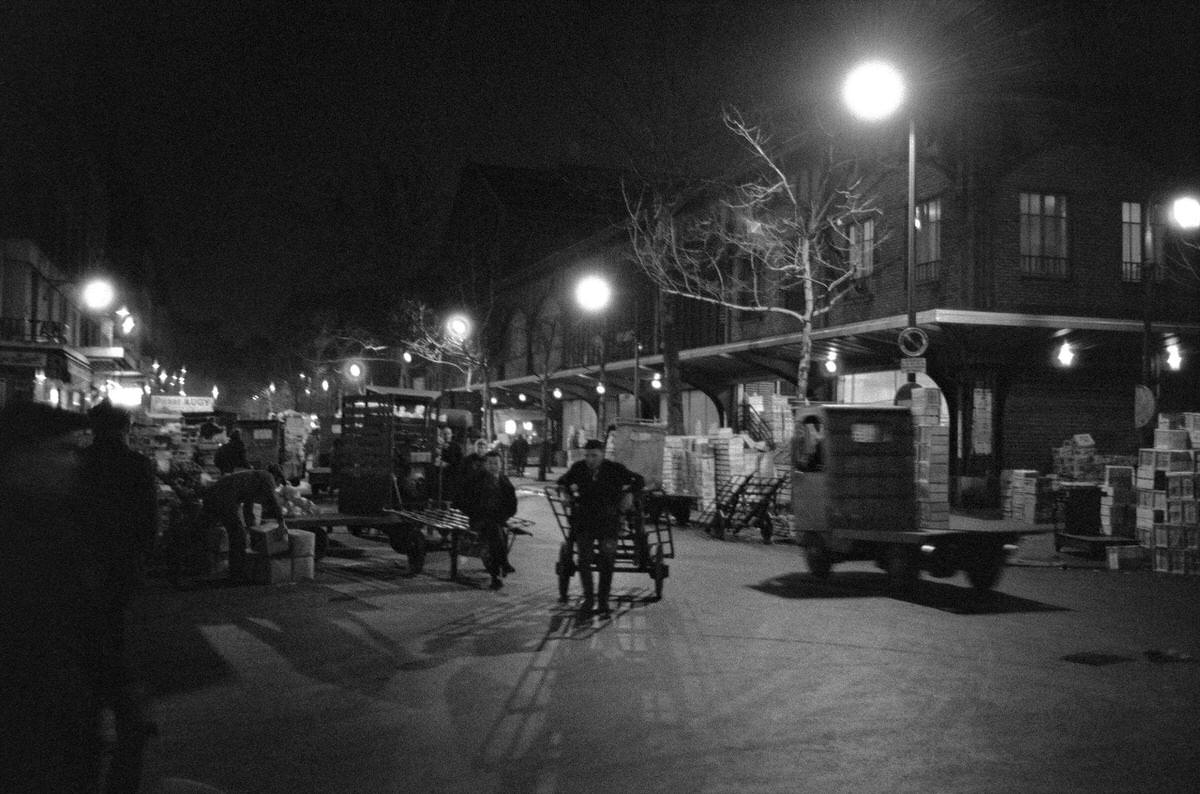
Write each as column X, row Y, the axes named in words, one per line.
column 1177, row 542
column 1118, row 502
column 1012, row 489
column 1076, row 459
column 932, row 460
column 1191, row 423
column 1167, row 515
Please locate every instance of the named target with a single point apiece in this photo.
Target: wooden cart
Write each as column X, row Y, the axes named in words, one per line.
column 640, row 548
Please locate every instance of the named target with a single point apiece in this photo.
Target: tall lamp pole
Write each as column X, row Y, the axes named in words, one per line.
column 873, row 91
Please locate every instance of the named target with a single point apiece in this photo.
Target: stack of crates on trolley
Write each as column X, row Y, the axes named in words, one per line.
column 383, row 436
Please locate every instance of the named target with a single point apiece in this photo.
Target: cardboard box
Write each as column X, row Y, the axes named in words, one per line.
column 304, row 569
column 270, row 539
column 1172, row 439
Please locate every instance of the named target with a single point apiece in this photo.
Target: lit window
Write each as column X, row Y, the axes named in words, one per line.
column 929, row 240
column 862, row 248
column 1132, row 245
column 1043, row 235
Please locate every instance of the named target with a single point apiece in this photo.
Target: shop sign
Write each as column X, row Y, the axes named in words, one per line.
column 22, row 358
column 175, row 404
column 912, row 364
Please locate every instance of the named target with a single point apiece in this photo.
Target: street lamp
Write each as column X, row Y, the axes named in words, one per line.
column 99, row 294
column 458, row 326
column 593, row 294
column 875, row 90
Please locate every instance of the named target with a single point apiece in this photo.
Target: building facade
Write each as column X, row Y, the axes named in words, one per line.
column 1045, row 304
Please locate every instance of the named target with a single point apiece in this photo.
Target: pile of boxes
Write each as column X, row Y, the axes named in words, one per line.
column 1076, row 459
column 932, row 460
column 1118, row 502
column 1168, row 512
column 280, row 555
column 1027, row 495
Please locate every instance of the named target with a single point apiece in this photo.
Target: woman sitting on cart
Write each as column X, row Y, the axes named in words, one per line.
column 597, row 490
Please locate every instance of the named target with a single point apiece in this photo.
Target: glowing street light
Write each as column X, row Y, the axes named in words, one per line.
column 407, row 357
column 215, row 392
column 458, row 326
column 98, row 294
column 1185, row 211
column 355, row 370
column 1174, row 357
column 1066, row 354
column 325, row 384
column 592, row 293
column 558, row 393
column 873, row 90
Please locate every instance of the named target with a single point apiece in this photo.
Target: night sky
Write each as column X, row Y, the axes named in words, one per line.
column 268, row 164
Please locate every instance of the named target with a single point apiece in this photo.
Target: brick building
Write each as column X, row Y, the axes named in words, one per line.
column 1017, row 256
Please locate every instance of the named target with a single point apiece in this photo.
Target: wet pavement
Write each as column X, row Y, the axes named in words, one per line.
column 749, row 675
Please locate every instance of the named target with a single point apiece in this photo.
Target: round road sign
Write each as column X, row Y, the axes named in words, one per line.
column 913, row 341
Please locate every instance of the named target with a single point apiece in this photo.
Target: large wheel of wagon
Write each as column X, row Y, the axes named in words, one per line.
column 902, row 569
column 565, row 569
column 817, row 556
column 984, row 566
column 658, row 571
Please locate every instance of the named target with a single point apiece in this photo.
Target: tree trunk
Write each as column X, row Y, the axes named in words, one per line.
column 805, row 363
column 672, row 381
column 547, row 434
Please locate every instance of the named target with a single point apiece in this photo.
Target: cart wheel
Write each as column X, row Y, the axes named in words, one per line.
column 718, row 527
column 659, row 572
column 902, row 569
column 565, row 568
column 415, row 551
column 819, row 561
column 984, row 567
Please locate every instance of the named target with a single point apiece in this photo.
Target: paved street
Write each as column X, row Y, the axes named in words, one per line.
column 747, row 676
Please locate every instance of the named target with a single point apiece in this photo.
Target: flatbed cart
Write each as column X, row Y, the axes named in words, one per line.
column 430, row 529
column 859, row 503
column 640, row 549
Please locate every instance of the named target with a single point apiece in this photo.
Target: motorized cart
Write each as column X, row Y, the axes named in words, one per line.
column 854, row 498
column 641, row 548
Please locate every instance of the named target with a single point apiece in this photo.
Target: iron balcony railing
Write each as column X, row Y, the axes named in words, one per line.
column 24, row 329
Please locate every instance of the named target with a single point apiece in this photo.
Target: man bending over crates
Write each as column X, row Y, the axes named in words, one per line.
column 597, row 491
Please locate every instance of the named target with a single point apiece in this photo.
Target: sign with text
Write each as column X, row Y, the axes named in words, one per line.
column 178, row 404
column 912, row 364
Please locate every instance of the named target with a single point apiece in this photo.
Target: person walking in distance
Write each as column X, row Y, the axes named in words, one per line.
column 490, row 501
column 596, row 490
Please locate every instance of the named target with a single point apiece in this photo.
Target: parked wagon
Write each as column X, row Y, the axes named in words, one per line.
column 641, row 548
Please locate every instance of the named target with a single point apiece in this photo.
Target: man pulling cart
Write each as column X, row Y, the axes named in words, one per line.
column 598, row 491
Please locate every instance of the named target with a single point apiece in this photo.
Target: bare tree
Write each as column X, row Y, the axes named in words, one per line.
column 784, row 229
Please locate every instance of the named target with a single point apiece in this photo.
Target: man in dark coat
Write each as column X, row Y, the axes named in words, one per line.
column 596, row 489
column 120, row 489
column 465, row 471
column 489, row 501
column 50, row 626
column 224, row 502
column 232, row 454
column 519, row 452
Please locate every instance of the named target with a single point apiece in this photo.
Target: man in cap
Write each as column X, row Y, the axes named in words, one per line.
column 596, row 489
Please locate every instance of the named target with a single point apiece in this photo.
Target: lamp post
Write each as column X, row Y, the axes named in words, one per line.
column 872, row 91
column 1184, row 214
column 593, row 294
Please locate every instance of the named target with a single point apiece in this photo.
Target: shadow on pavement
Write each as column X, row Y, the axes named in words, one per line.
column 951, row 598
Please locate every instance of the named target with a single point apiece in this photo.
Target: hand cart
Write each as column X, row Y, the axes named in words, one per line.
column 751, row 505
column 446, row 529
column 639, row 549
